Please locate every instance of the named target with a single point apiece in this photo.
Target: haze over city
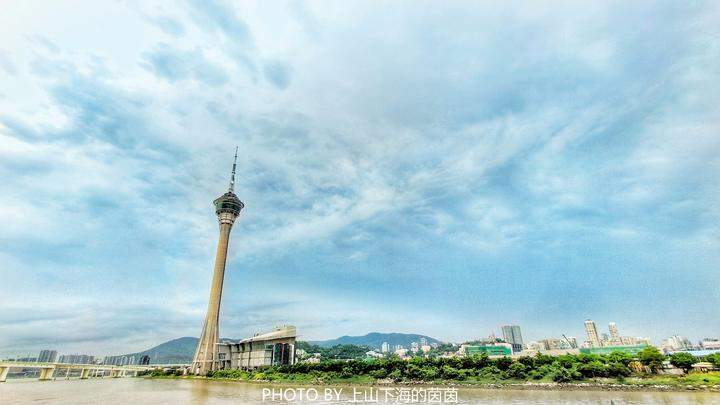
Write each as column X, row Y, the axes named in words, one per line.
column 441, row 171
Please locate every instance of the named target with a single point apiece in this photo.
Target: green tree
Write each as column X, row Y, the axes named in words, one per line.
column 428, row 373
column 561, row 374
column 396, row 376
column 683, row 360
column 491, row 373
column 528, row 361
column 517, row 370
column 617, row 369
column 566, row 361
column 592, row 369
column 651, row 357
column 543, row 359
column 503, row 363
column 619, row 357
column 450, row 373
column 714, row 359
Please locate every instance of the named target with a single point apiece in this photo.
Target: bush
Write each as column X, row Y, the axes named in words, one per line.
column 545, row 370
column 450, row 373
column 714, row 359
column 619, row 357
column 396, row 376
column 562, row 374
column 428, row 373
column 464, row 374
column 517, row 370
column 229, row 374
column 543, row 359
column 503, row 363
column 527, row 361
column 566, row 361
column 492, row 373
column 592, row 369
column 619, row 370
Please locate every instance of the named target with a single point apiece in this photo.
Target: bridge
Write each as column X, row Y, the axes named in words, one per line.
column 49, row 371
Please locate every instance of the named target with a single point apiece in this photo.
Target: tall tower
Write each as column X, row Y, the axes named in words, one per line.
column 227, row 208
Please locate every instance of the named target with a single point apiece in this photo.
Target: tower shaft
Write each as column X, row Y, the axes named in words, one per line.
column 206, row 354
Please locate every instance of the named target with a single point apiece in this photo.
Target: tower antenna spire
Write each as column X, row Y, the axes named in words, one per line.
column 232, row 176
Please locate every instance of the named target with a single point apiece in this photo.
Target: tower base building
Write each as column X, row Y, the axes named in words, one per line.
column 275, row 348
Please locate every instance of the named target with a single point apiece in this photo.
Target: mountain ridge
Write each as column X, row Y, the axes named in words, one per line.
column 376, row 339
column 175, row 351
column 181, row 350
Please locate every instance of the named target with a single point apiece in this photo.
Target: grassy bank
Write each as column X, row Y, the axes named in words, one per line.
column 707, row 381
column 693, row 381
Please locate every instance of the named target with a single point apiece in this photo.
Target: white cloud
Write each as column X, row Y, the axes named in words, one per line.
column 379, row 140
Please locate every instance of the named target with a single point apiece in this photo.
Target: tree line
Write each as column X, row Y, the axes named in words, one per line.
column 564, row 368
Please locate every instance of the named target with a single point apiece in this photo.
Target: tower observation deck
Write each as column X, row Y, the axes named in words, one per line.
column 227, row 209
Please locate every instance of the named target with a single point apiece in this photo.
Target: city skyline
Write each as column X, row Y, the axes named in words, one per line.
column 434, row 172
column 512, row 337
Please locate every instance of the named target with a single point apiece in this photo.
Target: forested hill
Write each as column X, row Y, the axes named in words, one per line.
column 375, row 340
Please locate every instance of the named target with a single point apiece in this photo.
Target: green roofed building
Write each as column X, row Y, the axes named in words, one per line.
column 634, row 349
column 490, row 350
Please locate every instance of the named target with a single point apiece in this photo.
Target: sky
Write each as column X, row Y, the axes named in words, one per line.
column 409, row 166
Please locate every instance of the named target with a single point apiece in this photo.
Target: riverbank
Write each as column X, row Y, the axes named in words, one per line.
column 173, row 391
column 706, row 382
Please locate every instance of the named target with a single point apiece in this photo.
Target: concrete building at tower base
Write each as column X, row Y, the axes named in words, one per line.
column 275, row 348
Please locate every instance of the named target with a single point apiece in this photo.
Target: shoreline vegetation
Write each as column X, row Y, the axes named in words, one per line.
column 614, row 371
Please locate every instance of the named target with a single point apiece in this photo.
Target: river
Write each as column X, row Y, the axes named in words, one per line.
column 137, row 391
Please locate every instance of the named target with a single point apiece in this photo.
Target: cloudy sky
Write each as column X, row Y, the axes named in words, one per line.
column 406, row 167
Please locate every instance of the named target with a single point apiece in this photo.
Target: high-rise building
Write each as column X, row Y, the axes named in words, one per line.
column 614, row 335
column 227, row 209
column 592, row 333
column 423, row 341
column 385, row 347
column 512, row 335
column 47, row 356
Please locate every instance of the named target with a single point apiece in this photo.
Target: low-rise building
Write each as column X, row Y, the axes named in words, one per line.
column 494, row 349
column 635, row 349
column 274, row 348
column 373, row 354
column 675, row 343
column 552, row 352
